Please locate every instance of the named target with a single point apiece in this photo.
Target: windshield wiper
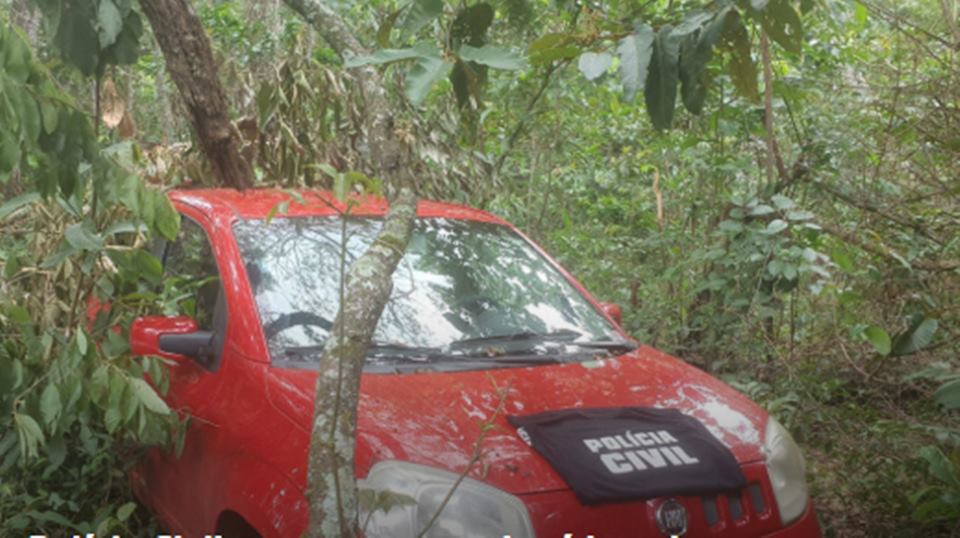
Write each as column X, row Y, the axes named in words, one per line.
column 378, row 349
column 563, row 335
column 622, row 346
column 393, row 350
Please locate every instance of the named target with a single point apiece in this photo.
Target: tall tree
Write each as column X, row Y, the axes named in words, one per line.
column 330, row 471
column 190, row 62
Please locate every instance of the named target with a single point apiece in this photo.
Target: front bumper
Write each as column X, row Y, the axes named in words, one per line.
column 751, row 512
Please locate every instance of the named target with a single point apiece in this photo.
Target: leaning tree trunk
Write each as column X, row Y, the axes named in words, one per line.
column 189, row 59
column 332, row 486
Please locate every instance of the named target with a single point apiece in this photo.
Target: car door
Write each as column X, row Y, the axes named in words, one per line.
column 173, row 484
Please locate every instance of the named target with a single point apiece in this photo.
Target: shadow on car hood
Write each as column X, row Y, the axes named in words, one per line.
column 435, row 418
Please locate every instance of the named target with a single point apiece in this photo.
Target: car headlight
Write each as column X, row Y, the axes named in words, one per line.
column 787, row 472
column 473, row 510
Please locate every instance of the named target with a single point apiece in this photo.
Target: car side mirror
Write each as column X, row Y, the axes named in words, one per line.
column 612, row 310
column 174, row 338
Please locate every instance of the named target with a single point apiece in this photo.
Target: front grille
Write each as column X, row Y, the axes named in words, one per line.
column 710, row 511
column 734, row 508
column 756, row 498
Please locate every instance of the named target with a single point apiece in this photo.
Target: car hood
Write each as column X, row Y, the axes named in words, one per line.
column 436, row 418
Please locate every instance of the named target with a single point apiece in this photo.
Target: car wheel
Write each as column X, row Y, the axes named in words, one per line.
column 232, row 525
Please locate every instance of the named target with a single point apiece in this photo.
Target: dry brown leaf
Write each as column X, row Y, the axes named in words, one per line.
column 127, row 128
column 111, row 105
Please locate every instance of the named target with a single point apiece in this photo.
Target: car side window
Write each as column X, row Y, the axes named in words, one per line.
column 191, row 263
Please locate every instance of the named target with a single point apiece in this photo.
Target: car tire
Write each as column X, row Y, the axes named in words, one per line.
column 232, row 525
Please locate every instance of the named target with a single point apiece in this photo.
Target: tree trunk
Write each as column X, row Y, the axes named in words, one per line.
column 330, row 471
column 163, row 103
column 189, row 59
column 26, row 16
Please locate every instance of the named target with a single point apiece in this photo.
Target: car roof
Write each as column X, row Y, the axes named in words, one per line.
column 261, row 203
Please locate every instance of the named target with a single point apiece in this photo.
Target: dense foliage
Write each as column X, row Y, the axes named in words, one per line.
column 790, row 224
column 77, row 408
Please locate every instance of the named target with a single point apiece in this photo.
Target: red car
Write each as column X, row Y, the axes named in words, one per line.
column 595, row 434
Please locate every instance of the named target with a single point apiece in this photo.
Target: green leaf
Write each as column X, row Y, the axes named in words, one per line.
column 328, row 169
column 731, row 226
column 166, row 218
column 741, row 67
column 58, row 257
column 111, row 419
column 495, row 57
column 842, row 259
column 915, row 338
column 879, row 338
column 29, row 434
column 635, row 51
column 547, row 42
column 81, row 342
column 551, row 47
column 98, row 383
column 125, row 510
column 695, row 52
column 16, row 374
column 423, row 75
column 147, row 396
column 594, row 64
column 471, row 24
column 775, row 267
column 148, row 266
column 948, row 395
column 80, row 237
column 940, row 466
column 860, row 15
column 782, row 202
column 17, row 202
column 109, row 23
column 783, row 25
column 15, row 58
column 420, row 14
column 761, row 210
column 281, row 208
column 775, row 226
column 29, row 113
column 50, row 115
column 799, row 215
column 56, row 449
column 661, row 87
column 7, row 442
column 18, row 314
column 548, row 56
column 9, row 151
column 126, row 48
column 50, row 405
column 77, row 38
column 384, row 56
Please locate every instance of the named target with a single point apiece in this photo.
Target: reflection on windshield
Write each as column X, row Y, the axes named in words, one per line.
column 458, row 280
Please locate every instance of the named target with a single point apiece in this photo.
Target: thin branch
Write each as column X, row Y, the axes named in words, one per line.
column 881, row 250
column 474, row 458
column 527, row 113
column 866, row 206
column 774, row 161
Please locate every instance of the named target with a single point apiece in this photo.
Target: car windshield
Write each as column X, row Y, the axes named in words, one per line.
column 461, row 285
